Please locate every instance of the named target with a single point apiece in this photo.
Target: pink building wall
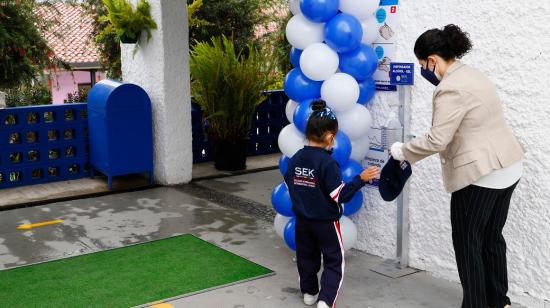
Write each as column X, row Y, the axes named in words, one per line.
column 65, row 82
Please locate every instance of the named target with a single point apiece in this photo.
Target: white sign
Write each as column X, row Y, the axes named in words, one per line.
column 378, row 155
column 384, row 46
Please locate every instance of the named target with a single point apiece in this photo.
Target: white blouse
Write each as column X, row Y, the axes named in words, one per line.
column 502, row 178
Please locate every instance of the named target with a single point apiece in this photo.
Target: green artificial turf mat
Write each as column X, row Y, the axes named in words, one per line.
column 127, row 276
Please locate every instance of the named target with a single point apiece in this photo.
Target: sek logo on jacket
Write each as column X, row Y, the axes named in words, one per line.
column 315, row 185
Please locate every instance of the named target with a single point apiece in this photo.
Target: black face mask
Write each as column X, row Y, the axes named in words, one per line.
column 429, row 75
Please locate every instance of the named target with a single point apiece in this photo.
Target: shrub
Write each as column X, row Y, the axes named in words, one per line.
column 29, row 95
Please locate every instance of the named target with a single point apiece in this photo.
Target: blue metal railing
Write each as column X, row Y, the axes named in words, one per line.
column 269, row 120
column 40, row 144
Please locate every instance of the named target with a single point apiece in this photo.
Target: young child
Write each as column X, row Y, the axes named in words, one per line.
column 317, row 192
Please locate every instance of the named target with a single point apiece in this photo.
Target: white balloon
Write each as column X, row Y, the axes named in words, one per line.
column 291, row 140
column 349, row 232
column 289, row 110
column 359, row 8
column 279, row 224
column 300, row 32
column 318, row 61
column 295, row 7
column 370, row 28
column 355, row 122
column 360, row 148
column 341, row 92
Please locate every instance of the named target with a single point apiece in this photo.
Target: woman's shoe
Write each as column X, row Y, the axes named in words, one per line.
column 310, row 299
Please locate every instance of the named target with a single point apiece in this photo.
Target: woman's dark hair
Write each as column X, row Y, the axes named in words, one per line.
column 449, row 43
column 321, row 121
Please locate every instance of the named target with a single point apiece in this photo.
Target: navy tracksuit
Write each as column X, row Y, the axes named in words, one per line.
column 317, row 192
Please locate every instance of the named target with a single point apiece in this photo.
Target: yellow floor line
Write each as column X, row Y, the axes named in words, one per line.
column 39, row 224
column 162, row 305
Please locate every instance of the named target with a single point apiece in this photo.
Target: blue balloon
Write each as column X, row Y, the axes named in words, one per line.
column 280, row 198
column 319, row 10
column 295, row 54
column 350, row 170
column 290, row 233
column 343, row 33
column 342, row 149
column 367, row 90
column 301, row 115
column 283, row 164
column 354, row 205
column 360, row 63
column 299, row 88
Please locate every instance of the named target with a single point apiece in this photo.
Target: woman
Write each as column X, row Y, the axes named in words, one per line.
column 480, row 158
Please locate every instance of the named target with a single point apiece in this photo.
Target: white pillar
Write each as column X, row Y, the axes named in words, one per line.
column 161, row 67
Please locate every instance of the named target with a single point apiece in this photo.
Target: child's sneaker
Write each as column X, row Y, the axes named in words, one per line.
column 322, row 304
column 310, row 299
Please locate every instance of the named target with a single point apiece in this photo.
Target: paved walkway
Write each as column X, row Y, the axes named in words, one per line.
column 118, row 220
column 86, row 187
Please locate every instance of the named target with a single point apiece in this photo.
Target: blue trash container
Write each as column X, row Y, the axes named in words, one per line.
column 120, row 129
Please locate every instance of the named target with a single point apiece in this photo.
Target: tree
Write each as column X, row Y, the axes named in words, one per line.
column 236, row 19
column 24, row 53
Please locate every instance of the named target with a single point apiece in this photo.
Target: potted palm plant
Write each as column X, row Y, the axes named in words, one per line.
column 127, row 22
column 228, row 85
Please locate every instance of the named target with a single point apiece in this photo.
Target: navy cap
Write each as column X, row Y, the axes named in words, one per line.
column 393, row 177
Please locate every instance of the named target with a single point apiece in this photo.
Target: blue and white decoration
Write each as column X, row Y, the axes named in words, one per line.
column 333, row 59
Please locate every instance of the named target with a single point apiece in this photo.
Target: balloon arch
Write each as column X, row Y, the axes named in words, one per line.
column 333, row 60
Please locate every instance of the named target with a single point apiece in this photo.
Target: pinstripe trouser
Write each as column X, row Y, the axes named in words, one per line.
column 478, row 216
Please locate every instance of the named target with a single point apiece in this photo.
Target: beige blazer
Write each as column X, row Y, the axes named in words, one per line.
column 468, row 129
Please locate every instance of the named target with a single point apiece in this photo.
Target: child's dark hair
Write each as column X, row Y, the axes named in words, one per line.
column 449, row 43
column 321, row 121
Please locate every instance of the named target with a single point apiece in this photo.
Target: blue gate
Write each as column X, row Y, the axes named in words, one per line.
column 40, row 144
column 49, row 143
column 269, row 120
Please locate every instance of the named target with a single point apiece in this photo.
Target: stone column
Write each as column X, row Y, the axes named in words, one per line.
column 161, row 67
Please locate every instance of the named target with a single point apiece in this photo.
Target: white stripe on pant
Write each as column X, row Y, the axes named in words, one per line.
column 478, row 216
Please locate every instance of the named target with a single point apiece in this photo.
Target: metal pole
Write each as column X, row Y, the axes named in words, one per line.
column 403, row 199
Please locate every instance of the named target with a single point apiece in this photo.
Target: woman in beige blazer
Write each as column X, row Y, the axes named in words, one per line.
column 480, row 158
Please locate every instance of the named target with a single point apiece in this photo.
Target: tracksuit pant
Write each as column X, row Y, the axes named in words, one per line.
column 313, row 239
column 478, row 216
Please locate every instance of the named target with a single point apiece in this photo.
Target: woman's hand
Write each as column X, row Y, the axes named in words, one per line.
column 370, row 174
column 396, row 151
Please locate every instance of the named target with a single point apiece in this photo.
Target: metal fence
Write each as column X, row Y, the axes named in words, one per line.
column 269, row 120
column 40, row 144
column 49, row 143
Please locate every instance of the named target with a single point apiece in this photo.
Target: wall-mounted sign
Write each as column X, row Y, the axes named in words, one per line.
column 402, row 74
column 384, row 46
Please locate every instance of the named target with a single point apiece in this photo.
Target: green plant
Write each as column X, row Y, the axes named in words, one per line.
column 126, row 21
column 228, row 85
column 28, row 95
column 192, row 10
column 281, row 45
column 236, row 19
column 24, row 53
column 105, row 38
column 79, row 96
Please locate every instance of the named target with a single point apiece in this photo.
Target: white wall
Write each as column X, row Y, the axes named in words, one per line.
column 512, row 46
column 161, row 67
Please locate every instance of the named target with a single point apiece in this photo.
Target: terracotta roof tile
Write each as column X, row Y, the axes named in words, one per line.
column 71, row 33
